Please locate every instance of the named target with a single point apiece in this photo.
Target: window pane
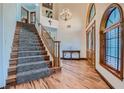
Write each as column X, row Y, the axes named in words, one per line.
column 113, row 48
column 114, row 17
column 92, row 12
column 89, row 40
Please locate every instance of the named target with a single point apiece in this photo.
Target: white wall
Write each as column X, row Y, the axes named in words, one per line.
column 45, row 22
column 113, row 80
column 51, row 28
column 1, row 47
column 38, row 17
column 74, row 37
column 9, row 23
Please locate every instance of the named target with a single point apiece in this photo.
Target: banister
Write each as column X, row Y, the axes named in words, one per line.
column 52, row 46
column 46, row 32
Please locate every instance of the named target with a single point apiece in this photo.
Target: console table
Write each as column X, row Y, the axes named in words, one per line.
column 71, row 52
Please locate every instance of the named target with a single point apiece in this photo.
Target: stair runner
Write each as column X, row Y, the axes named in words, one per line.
column 32, row 57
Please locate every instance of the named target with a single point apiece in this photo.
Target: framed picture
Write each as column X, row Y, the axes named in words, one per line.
column 48, row 5
column 49, row 14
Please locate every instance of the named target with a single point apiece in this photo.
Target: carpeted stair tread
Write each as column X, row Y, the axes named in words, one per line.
column 27, row 37
column 23, row 30
column 31, row 66
column 31, row 72
column 36, row 62
column 26, row 60
column 27, row 51
column 28, row 64
column 30, row 48
column 31, row 56
column 29, row 40
column 31, row 53
column 32, row 75
column 35, row 49
column 30, row 43
column 38, row 44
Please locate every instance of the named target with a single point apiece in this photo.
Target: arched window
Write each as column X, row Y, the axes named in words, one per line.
column 91, row 12
column 113, row 18
column 111, row 40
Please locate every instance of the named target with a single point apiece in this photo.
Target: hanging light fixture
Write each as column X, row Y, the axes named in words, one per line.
column 65, row 15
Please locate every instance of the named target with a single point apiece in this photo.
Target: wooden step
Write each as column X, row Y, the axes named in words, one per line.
column 12, row 70
column 11, row 77
column 13, row 63
column 15, row 44
column 46, row 57
column 11, row 80
column 14, row 54
column 49, row 64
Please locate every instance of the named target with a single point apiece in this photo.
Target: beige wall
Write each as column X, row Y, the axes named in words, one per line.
column 74, row 37
column 114, row 81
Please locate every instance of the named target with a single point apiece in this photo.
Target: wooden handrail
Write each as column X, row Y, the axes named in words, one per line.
column 52, row 46
column 42, row 27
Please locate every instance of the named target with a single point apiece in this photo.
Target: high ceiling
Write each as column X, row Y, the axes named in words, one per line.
column 30, row 6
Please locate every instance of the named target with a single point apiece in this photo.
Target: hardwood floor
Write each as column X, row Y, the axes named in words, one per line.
column 74, row 74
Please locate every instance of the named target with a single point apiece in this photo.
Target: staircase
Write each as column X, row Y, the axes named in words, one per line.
column 29, row 58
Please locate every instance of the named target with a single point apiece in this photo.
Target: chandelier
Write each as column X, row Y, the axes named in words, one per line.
column 65, row 15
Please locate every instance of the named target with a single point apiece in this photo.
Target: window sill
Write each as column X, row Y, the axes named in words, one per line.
column 119, row 75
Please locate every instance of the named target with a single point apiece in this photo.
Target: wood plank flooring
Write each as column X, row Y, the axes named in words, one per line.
column 74, row 74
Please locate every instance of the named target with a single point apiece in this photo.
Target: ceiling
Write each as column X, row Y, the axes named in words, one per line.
column 30, row 6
